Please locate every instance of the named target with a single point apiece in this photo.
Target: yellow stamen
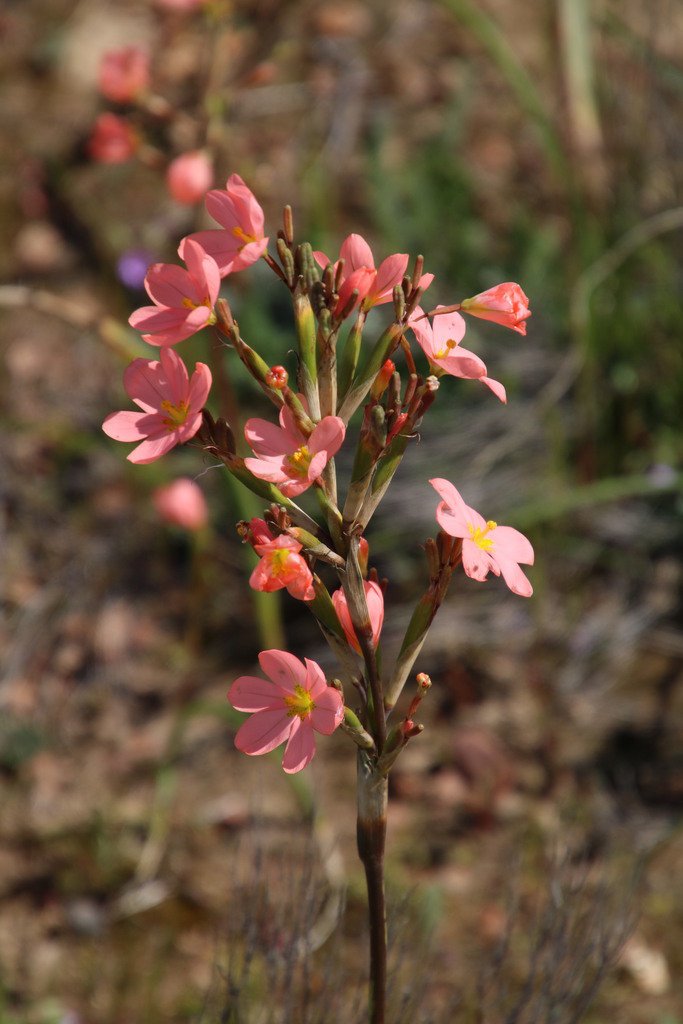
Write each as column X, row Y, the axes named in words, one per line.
column 299, row 461
column 238, row 232
column 450, row 345
column 279, row 559
column 479, row 536
column 189, row 304
column 299, row 703
column 177, row 414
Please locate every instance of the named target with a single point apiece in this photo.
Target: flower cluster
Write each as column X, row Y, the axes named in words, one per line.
column 297, row 453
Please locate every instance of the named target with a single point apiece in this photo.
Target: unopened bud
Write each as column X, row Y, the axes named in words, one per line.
column 382, row 379
column 277, row 378
column 363, row 555
column 423, row 680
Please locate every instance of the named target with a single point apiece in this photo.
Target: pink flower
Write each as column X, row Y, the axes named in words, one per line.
column 286, row 457
column 189, row 176
column 440, row 342
column 124, row 74
column 183, row 299
column 505, row 304
column 375, row 285
column 294, row 701
column 182, row 503
column 180, row 5
column 113, row 140
column 375, row 601
column 171, row 405
column 486, row 547
column 241, row 241
column 281, row 564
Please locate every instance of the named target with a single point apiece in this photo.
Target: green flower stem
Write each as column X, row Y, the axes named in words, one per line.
column 369, row 370
column 304, row 320
column 350, row 353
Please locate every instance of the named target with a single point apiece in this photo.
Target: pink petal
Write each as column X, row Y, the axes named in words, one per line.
column 249, row 254
column 460, row 362
column 328, row 436
column 452, row 515
column 300, row 749
column 390, row 273
column 476, row 562
column 321, row 259
column 316, row 682
column 328, row 712
column 153, row 448
column 264, row 731
column 252, row 693
column 514, row 576
column 175, row 376
column 270, row 469
column 154, row 318
column 496, row 387
column 265, row 438
column 356, row 253
column 126, row 426
column 283, row 668
column 222, row 246
column 450, row 326
column 142, row 381
column 168, row 284
column 203, row 268
column 422, row 330
column 425, row 281
column 511, row 544
column 193, row 320
column 200, row 386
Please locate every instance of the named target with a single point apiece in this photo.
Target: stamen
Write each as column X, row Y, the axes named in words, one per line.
column 299, row 703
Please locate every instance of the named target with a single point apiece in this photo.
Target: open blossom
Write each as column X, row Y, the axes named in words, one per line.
column 281, row 565
column 504, row 304
column 375, row 285
column 183, row 299
column 240, row 242
column 292, row 703
column 171, row 404
column 113, row 139
column 375, row 602
column 486, row 547
column 189, row 176
column 182, row 503
column 124, row 74
column 440, row 342
column 286, row 457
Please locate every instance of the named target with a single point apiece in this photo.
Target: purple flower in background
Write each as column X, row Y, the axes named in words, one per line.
column 132, row 267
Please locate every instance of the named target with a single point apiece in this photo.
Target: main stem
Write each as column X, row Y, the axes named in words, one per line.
column 371, row 832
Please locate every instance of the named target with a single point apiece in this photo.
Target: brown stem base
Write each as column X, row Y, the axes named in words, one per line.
column 371, row 834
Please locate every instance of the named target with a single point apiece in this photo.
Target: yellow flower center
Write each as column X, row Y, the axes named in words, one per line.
column 450, row 345
column 479, row 536
column 278, row 561
column 299, row 461
column 176, row 414
column 238, row 232
column 189, row 304
column 299, row 703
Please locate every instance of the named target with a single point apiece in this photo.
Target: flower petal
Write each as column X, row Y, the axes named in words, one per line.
column 514, row 576
column 300, row 749
column 283, row 668
column 152, row 448
column 476, row 562
column 510, row 543
column 495, row 386
column 328, row 712
column 168, row 284
column 264, row 731
column 356, row 253
column 253, row 693
column 127, row 426
column 266, row 438
column 328, row 436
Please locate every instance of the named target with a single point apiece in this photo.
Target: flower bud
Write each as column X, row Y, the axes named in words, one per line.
column 124, row 74
column 382, row 379
column 182, row 504
column 113, row 140
column 277, row 378
column 189, row 177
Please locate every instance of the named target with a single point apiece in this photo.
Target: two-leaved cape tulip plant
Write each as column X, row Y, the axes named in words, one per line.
column 322, row 559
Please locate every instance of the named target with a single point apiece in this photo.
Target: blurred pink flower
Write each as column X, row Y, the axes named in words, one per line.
column 113, row 140
column 281, row 564
column 440, row 342
column 486, row 547
column 375, row 284
column 375, row 601
column 182, row 503
column 183, row 299
column 171, row 404
column 124, row 74
column 504, row 304
column 241, row 241
column 286, row 457
column 180, row 5
column 189, row 176
column 289, row 706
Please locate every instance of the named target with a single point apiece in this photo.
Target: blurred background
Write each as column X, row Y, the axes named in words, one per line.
column 147, row 871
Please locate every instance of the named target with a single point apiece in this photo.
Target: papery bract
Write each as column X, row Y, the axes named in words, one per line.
column 486, row 547
column 504, row 304
column 286, row 457
column 183, row 299
column 281, row 565
column 241, row 242
column 124, row 74
column 440, row 342
column 288, row 706
column 113, row 140
column 171, row 404
column 189, row 176
column 182, row 503
column 375, row 602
